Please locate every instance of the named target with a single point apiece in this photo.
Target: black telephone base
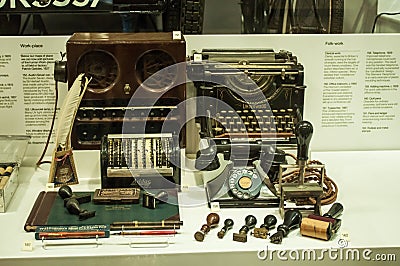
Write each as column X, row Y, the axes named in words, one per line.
column 228, row 201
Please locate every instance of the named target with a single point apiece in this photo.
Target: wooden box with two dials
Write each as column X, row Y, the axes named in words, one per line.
column 136, row 82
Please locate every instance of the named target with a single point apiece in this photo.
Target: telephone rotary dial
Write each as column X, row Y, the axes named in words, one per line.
column 244, row 183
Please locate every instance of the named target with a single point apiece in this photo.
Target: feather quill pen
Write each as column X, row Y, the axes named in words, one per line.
column 68, row 112
column 62, row 169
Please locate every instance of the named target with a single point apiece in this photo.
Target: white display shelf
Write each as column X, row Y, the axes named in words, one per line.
column 367, row 189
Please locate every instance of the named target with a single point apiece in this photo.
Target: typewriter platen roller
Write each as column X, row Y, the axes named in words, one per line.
column 140, row 160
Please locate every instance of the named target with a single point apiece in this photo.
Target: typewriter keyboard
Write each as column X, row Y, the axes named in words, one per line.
column 279, row 122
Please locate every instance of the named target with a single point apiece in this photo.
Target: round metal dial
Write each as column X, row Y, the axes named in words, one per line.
column 244, row 183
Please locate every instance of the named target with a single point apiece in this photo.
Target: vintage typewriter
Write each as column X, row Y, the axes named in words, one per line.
column 278, row 76
column 259, row 100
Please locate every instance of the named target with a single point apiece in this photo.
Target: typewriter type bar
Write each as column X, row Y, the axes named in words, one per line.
column 131, row 158
column 233, row 76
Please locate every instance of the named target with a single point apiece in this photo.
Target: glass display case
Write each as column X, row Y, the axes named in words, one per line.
column 235, row 132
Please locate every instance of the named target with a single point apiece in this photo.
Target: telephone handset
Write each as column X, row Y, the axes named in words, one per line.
column 242, row 152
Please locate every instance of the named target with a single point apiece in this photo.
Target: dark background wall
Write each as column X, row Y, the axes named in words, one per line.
column 221, row 17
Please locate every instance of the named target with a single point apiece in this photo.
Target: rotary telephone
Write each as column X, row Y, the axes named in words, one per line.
column 242, row 172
